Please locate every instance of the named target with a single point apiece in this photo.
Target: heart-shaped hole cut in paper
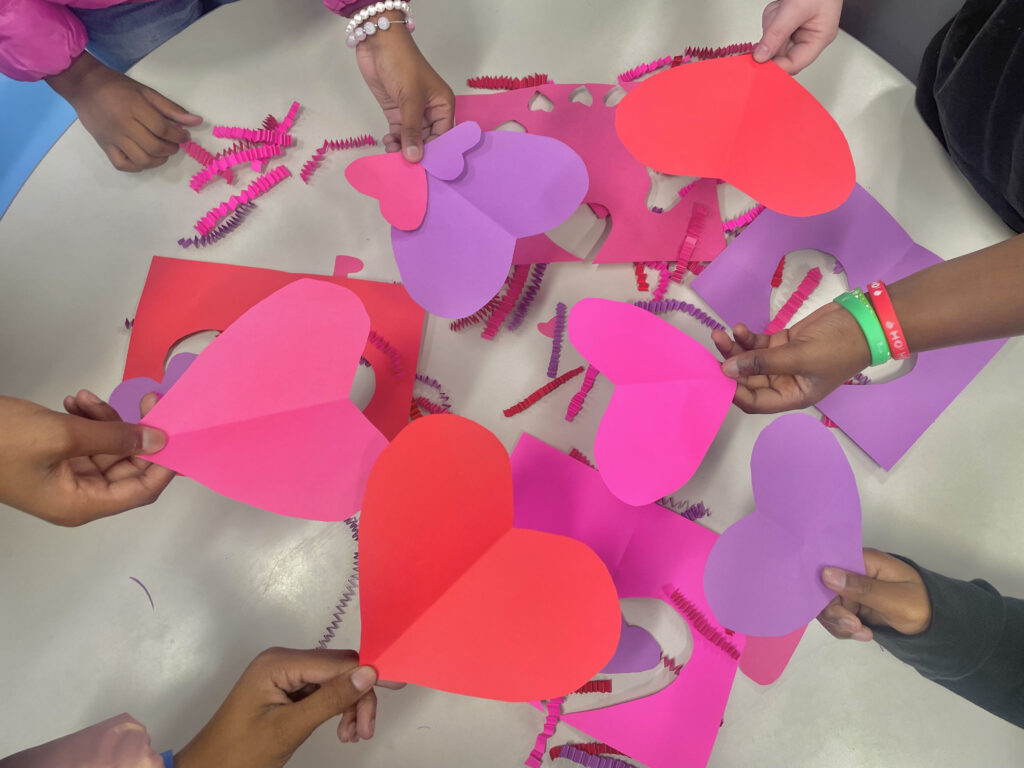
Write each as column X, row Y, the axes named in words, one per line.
column 400, row 186
column 263, row 416
column 670, row 398
column 127, row 395
column 763, row 576
column 750, row 124
column 452, row 597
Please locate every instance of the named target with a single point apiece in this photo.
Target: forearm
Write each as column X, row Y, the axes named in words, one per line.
column 973, row 298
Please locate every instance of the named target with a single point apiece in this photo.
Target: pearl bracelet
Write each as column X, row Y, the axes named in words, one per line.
column 360, row 26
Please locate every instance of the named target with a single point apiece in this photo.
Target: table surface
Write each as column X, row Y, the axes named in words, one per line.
column 228, row 581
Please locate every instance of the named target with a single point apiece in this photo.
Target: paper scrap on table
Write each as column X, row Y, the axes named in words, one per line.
column 763, row 576
column 646, row 549
column 749, row 124
column 183, row 297
column 885, row 420
column 483, row 191
column 619, row 185
column 452, row 596
column 262, row 415
column 653, row 365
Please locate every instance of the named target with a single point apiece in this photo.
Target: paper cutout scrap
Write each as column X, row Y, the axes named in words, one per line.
column 750, row 124
column 452, row 596
column 637, row 651
column 484, row 191
column 649, row 361
column 127, row 396
column 763, row 576
column 618, row 183
column 765, row 658
column 183, row 297
column 885, row 420
column 644, row 548
column 262, row 415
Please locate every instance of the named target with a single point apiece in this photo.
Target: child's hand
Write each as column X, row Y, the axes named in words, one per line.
column 71, row 469
column 282, row 697
column 137, row 127
column 795, row 367
column 417, row 103
column 892, row 594
column 796, row 31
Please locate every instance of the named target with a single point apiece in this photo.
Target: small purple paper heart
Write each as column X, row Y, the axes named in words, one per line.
column 128, row 394
column 637, row 651
column 763, row 576
column 445, row 156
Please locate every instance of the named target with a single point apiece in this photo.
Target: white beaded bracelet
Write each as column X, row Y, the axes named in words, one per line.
column 361, row 26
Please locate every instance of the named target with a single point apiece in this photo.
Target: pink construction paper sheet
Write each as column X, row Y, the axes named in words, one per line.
column 618, row 183
column 645, row 549
column 484, row 192
column 763, row 576
column 262, row 415
column 655, row 365
column 883, row 419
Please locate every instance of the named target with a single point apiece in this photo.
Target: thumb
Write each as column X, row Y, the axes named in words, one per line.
column 779, row 361
column 778, row 28
column 884, row 597
column 85, row 437
column 330, row 700
column 412, row 109
column 170, row 109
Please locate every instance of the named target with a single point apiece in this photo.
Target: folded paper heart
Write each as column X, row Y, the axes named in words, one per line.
column 128, row 394
column 452, row 597
column 483, row 192
column 656, row 369
column 262, row 415
column 750, row 124
column 763, row 576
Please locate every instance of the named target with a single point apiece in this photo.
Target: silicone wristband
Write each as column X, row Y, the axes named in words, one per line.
column 857, row 304
column 891, row 327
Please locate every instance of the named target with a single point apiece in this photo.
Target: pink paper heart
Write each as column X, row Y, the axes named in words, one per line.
column 263, row 414
column 763, row 576
column 547, row 328
column 670, row 398
column 400, row 186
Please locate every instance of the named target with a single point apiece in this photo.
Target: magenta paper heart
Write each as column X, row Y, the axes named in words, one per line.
column 670, row 398
column 262, row 415
column 400, row 186
column 513, row 185
column 128, row 394
column 763, row 576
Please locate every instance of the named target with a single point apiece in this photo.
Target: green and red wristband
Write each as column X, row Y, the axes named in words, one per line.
column 882, row 304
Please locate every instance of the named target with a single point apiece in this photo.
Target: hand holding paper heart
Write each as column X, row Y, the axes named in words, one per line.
column 452, row 597
column 670, row 398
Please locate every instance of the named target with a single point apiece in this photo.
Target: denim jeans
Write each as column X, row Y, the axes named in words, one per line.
column 122, row 34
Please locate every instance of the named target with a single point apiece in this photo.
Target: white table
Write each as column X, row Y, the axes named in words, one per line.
column 80, row 641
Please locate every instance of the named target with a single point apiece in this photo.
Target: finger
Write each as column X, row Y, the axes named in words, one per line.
column 885, row 598
column 781, row 360
column 347, row 727
column 147, row 402
column 726, row 345
column 412, row 127
column 786, row 20
column 761, row 400
column 138, row 155
column 93, row 407
column 160, row 126
column 85, row 437
column 334, row 697
column 151, row 143
column 800, row 55
column 441, row 118
column 392, row 142
column 170, row 109
column 120, row 160
column 366, row 715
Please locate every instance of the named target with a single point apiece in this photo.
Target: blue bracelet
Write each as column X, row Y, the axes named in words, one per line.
column 168, row 758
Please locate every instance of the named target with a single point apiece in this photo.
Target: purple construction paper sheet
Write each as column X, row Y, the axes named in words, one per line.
column 883, row 419
column 637, row 651
column 763, row 576
column 128, row 394
column 513, row 185
column 447, row 159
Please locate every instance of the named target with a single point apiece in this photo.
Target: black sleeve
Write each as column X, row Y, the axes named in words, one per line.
column 974, row 645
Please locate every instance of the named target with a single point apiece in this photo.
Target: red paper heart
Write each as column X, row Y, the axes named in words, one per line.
column 750, row 124
column 452, row 597
column 547, row 328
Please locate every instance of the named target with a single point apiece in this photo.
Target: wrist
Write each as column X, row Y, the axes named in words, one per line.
column 78, row 78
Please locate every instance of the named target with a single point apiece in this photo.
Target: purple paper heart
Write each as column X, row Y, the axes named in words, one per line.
column 128, row 394
column 763, row 576
column 637, row 651
column 445, row 157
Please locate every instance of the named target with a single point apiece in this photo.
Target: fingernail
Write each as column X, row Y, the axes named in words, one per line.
column 89, row 397
column 153, row 440
column 412, row 153
column 864, row 635
column 834, row 578
column 762, row 53
column 848, row 624
column 364, row 678
column 373, row 728
column 731, row 368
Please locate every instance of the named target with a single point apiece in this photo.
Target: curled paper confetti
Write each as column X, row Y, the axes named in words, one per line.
column 554, row 707
column 685, row 509
column 259, row 136
column 286, row 125
column 697, row 220
column 204, row 158
column 270, row 123
column 730, row 225
column 671, row 665
column 672, row 305
column 556, row 340
column 429, row 405
column 595, row 686
column 858, row 378
column 221, row 230
column 476, row 317
column 641, row 277
column 351, row 585
column 547, row 389
column 581, row 457
column 663, row 279
column 536, row 278
column 777, row 277
column 642, row 69
column 578, row 399
column 700, row 622
column 436, row 386
column 594, row 748
column 331, row 145
column 717, row 53
column 393, row 355
column 506, row 83
column 515, row 290
column 828, row 422
column 414, row 411
column 250, row 193
column 589, row 760
column 785, row 314
column 221, row 164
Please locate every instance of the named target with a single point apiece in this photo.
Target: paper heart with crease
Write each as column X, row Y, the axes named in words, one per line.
column 763, row 576
column 127, row 395
column 452, row 597
column 262, row 415
column 484, row 191
column 670, row 398
column 755, row 127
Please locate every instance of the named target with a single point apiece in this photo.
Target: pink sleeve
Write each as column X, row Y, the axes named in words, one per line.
column 346, row 7
column 120, row 742
column 38, row 38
